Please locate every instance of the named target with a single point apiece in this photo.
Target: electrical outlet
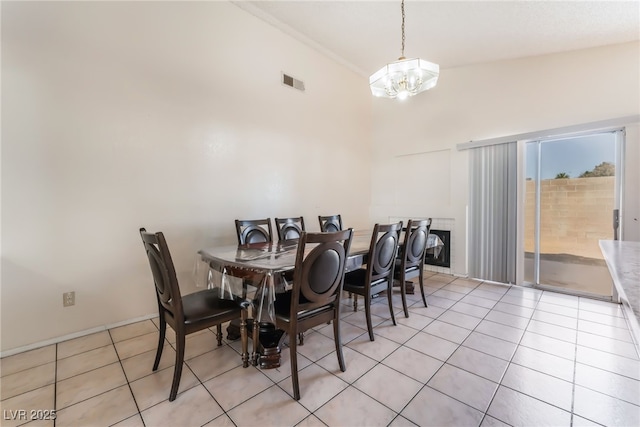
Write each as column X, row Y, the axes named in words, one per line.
column 68, row 299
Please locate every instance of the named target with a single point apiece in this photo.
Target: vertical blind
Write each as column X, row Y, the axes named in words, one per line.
column 492, row 212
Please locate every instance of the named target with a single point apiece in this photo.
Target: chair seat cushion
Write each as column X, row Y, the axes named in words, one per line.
column 355, row 278
column 397, row 272
column 283, row 307
column 206, row 304
column 282, row 304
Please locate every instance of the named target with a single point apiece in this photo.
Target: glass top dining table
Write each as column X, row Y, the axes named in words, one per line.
column 280, row 256
column 257, row 272
column 261, row 266
column 277, row 257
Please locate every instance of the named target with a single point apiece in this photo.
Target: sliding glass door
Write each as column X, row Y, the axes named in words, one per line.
column 572, row 188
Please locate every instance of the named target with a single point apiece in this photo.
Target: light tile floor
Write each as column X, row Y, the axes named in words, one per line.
column 480, row 354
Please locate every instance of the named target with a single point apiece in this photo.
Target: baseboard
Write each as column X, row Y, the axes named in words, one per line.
column 44, row 343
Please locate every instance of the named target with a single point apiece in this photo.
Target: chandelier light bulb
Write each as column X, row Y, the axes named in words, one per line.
column 404, row 77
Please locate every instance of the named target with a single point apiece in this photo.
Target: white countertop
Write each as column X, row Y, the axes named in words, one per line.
column 623, row 260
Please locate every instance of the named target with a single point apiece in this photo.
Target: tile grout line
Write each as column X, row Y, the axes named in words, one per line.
column 135, row 401
column 55, row 387
column 485, row 412
column 509, row 362
column 572, row 414
column 378, row 362
column 444, row 362
column 575, row 364
column 603, row 370
column 400, row 345
column 224, row 411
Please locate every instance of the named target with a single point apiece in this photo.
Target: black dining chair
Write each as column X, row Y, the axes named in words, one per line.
column 330, row 223
column 378, row 274
column 290, row 228
column 254, row 231
column 315, row 296
column 410, row 261
column 189, row 313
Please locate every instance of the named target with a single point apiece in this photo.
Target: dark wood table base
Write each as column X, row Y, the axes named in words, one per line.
column 270, row 339
column 270, row 342
column 409, row 287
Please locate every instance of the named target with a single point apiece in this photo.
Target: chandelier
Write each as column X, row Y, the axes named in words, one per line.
column 404, row 77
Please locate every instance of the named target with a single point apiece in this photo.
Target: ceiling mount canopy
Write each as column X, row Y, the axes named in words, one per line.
column 404, row 77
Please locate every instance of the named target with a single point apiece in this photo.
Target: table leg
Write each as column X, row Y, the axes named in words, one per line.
column 244, row 338
column 409, row 287
column 255, row 355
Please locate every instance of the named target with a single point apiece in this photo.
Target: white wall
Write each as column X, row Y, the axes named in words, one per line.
column 102, row 103
column 493, row 100
column 167, row 115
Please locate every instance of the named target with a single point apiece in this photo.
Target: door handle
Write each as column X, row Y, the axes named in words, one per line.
column 616, row 223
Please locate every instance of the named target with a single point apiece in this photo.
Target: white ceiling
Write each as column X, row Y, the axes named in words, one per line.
column 365, row 35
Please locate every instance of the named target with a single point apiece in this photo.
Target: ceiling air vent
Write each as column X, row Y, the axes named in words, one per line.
column 292, row 82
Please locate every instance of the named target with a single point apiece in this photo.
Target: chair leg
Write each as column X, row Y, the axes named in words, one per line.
column 403, row 292
column 424, row 299
column 390, row 300
column 338, row 341
column 301, row 338
column 293, row 355
column 161, row 336
column 177, row 371
column 355, row 302
column 367, row 313
column 219, row 334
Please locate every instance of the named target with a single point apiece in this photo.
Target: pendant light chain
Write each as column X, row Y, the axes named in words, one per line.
column 402, row 8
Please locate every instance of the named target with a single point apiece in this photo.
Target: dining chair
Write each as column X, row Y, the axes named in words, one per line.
column 410, row 261
column 254, row 231
column 189, row 313
column 330, row 223
column 378, row 274
column 289, row 228
column 315, row 295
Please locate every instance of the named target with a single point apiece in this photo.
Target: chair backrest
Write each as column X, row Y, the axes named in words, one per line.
column 289, row 228
column 164, row 275
column 254, row 231
column 415, row 243
column 330, row 223
column 383, row 251
column 318, row 276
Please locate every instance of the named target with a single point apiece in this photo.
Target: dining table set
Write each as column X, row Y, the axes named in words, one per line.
column 257, row 272
column 289, row 285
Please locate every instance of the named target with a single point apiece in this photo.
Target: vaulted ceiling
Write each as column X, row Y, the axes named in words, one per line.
column 365, row 35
